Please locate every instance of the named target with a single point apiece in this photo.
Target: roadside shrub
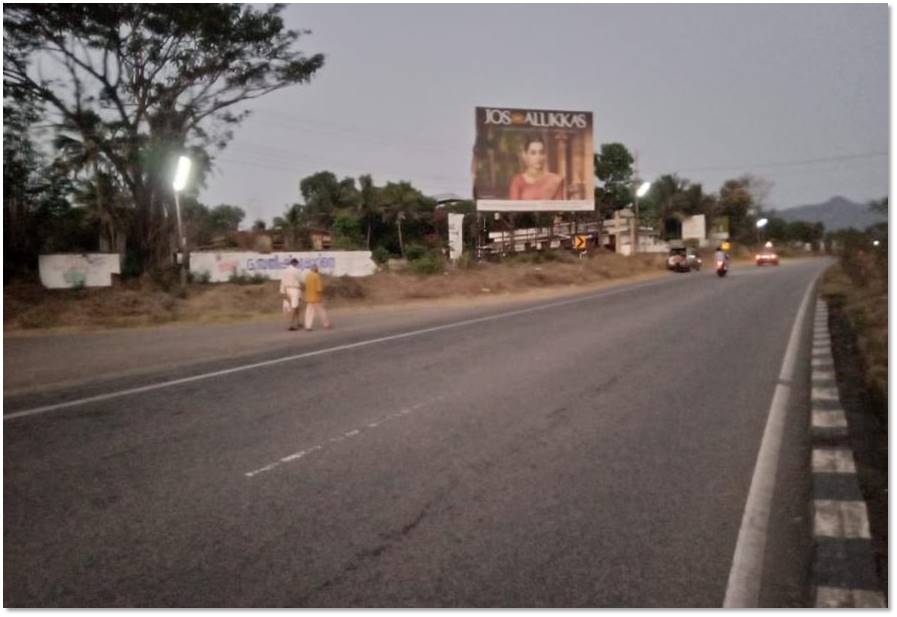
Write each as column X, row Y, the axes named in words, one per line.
column 344, row 287
column 380, row 255
column 466, row 262
column 538, row 257
column 246, row 279
column 428, row 264
column 167, row 280
column 203, row 278
column 415, row 251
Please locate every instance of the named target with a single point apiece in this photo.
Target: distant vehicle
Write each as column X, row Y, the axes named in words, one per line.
column 683, row 259
column 766, row 257
column 722, row 267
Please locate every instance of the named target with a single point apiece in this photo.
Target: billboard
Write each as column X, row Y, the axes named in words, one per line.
column 694, row 228
column 719, row 228
column 531, row 160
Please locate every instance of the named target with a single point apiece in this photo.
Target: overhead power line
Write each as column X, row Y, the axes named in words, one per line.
column 827, row 159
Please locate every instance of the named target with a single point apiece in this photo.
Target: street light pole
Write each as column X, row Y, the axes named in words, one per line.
column 640, row 192
column 180, row 181
column 181, row 241
column 761, row 225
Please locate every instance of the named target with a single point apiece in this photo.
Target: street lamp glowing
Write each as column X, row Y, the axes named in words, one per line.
column 182, row 173
column 762, row 223
column 876, row 243
column 643, row 189
column 180, row 181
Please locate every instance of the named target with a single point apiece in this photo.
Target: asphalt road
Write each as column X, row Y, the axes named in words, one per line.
column 596, row 453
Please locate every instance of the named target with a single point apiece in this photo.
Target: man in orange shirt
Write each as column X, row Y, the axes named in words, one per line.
column 314, row 298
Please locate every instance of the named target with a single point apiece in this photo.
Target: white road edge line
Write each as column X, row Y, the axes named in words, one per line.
column 319, row 352
column 743, row 588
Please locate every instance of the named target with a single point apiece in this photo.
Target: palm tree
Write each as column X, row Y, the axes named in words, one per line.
column 665, row 197
column 401, row 201
column 369, row 203
column 291, row 225
column 101, row 193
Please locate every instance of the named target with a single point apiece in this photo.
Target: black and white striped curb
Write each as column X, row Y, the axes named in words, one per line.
column 843, row 563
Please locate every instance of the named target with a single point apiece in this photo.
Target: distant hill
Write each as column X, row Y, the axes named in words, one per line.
column 836, row 213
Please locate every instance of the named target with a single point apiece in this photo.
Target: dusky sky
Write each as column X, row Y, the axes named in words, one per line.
column 796, row 94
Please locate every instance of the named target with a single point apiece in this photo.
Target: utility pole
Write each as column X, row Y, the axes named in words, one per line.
column 180, row 181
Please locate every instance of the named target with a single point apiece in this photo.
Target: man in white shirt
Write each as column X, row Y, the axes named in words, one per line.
column 290, row 289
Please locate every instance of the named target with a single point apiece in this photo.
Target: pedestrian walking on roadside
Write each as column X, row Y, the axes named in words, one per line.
column 314, row 299
column 290, row 290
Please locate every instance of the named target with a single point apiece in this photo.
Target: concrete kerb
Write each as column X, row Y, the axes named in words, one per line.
column 843, row 560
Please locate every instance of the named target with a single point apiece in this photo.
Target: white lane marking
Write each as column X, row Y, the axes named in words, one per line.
column 338, row 438
column 743, row 588
column 838, row 597
column 328, row 350
column 840, row 519
column 822, row 362
column 824, row 394
column 833, row 460
column 833, row 418
column 293, row 457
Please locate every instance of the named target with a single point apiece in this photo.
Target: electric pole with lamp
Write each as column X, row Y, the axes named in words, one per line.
column 180, row 181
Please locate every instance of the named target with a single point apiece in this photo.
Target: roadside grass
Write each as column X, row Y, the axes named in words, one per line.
column 28, row 306
column 866, row 308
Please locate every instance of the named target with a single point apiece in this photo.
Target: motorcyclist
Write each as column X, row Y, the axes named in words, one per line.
column 721, row 256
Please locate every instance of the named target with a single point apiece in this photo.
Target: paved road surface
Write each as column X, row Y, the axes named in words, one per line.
column 594, row 453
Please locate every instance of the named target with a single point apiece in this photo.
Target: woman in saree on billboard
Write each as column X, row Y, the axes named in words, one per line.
column 531, row 160
column 536, row 182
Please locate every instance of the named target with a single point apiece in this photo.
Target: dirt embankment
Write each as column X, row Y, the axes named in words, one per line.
column 135, row 303
column 144, row 303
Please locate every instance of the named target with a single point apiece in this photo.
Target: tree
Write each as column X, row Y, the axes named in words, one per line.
column 99, row 192
column 225, row 219
column 613, row 167
column 37, row 213
column 161, row 77
column 671, row 197
column 292, row 225
column 369, row 204
column 401, row 202
column 776, row 228
column 202, row 224
column 346, row 231
column 735, row 202
column 22, row 165
column 325, row 196
column 879, row 206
